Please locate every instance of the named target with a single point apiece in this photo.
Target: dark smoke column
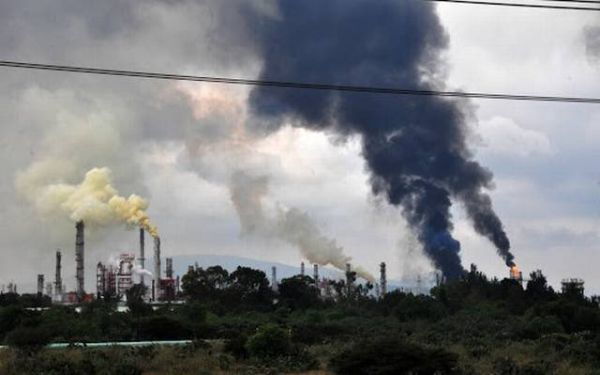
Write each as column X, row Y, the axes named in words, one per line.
column 414, row 147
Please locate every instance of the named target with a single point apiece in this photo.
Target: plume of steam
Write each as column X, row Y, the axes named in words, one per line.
column 94, row 201
column 287, row 224
column 414, row 147
column 139, row 271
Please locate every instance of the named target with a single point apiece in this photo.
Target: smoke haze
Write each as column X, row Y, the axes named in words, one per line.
column 287, row 224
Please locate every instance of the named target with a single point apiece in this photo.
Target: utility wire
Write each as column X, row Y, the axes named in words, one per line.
column 573, row 1
column 298, row 85
column 521, row 5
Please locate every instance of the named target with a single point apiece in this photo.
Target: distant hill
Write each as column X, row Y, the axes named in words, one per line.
column 231, row 262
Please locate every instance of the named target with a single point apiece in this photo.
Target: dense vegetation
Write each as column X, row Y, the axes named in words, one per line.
column 239, row 325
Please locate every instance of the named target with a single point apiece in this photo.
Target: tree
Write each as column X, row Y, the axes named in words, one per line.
column 135, row 300
column 249, row 286
column 298, row 292
column 537, row 287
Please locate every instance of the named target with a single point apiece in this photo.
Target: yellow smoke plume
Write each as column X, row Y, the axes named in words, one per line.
column 94, row 201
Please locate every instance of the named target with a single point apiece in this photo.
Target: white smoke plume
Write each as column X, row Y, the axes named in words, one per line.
column 139, row 271
column 94, row 201
column 286, row 224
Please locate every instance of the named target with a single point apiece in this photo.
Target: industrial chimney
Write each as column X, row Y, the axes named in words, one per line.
column 348, row 279
column 58, row 285
column 316, row 273
column 382, row 279
column 40, row 285
column 302, row 269
column 156, row 267
column 79, row 258
column 142, row 255
column 169, row 270
column 274, row 278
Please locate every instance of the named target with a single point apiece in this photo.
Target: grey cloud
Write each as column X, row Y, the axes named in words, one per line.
column 592, row 42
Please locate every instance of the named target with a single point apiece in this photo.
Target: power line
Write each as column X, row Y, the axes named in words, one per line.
column 523, row 5
column 573, row 1
column 298, row 85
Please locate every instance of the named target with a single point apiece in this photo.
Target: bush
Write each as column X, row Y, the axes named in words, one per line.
column 162, row 328
column 237, row 346
column 393, row 357
column 28, row 339
column 269, row 341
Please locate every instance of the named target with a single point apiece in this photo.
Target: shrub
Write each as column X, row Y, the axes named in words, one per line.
column 269, row 341
column 28, row 339
column 392, row 357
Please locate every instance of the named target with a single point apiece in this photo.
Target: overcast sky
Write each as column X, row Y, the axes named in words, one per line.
column 178, row 143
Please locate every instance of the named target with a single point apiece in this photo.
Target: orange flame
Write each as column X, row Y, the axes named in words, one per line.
column 515, row 273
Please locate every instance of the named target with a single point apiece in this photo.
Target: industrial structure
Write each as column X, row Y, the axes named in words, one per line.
column 114, row 280
column 58, row 284
column 572, row 286
column 382, row 280
column 40, row 285
column 142, row 258
column 79, row 259
column 274, row 285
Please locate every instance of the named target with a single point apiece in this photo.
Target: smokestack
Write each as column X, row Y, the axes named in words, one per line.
column 302, row 269
column 79, row 258
column 348, row 278
column 142, row 255
column 274, row 278
column 169, row 270
column 316, row 273
column 156, row 266
column 57, row 276
column 382, row 279
column 40, row 285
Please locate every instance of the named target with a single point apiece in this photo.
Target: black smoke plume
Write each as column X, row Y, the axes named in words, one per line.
column 414, row 147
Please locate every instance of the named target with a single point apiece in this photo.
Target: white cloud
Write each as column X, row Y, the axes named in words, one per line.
column 503, row 136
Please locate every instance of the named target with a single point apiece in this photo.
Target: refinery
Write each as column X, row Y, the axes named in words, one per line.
column 116, row 277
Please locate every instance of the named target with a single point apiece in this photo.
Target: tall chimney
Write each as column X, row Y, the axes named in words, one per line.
column 156, row 266
column 40, row 285
column 169, row 271
column 316, row 273
column 142, row 255
column 348, row 279
column 302, row 269
column 79, row 258
column 58, row 290
column 274, row 278
column 382, row 279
